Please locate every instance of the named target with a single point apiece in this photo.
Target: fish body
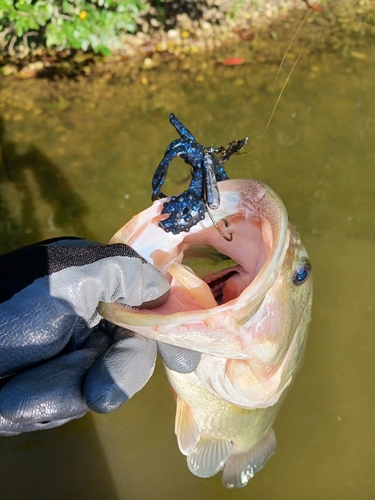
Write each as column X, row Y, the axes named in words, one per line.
column 216, row 435
column 249, row 321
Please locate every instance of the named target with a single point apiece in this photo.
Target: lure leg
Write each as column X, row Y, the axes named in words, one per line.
column 186, row 209
column 219, row 170
column 162, row 170
column 181, row 129
column 196, row 185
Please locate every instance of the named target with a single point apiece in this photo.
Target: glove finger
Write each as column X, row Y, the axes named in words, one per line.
column 9, row 428
column 107, row 272
column 179, row 359
column 121, row 372
column 128, row 278
column 49, row 392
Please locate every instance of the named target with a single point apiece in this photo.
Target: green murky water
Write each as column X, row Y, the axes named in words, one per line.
column 79, row 161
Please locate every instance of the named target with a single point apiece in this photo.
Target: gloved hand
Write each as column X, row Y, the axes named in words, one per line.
column 58, row 358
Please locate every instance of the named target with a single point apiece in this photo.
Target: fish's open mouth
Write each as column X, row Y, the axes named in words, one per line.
column 206, row 272
column 213, row 267
column 225, row 278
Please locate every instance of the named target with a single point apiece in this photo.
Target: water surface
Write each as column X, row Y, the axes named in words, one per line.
column 78, row 160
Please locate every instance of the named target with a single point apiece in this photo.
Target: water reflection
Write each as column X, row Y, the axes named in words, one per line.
column 35, row 197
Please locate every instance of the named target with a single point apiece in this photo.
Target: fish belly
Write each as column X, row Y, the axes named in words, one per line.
column 217, row 435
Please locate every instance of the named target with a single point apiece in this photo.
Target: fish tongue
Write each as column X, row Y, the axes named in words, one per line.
column 193, row 284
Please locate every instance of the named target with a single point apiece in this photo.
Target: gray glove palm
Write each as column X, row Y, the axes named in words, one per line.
column 57, row 358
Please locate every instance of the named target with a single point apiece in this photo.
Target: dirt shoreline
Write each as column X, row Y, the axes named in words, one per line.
column 263, row 26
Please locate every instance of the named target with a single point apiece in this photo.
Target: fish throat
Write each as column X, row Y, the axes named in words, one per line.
column 225, row 278
column 208, row 271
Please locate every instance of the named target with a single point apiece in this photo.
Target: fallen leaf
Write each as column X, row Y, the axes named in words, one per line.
column 233, row 61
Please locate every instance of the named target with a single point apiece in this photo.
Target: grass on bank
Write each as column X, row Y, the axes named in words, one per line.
column 66, row 24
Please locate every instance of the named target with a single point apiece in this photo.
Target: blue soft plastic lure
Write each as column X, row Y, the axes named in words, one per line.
column 188, row 208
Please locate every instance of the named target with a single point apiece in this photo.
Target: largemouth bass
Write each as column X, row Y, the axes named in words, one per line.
column 248, row 318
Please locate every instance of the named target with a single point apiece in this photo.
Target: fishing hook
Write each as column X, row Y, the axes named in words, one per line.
column 227, row 238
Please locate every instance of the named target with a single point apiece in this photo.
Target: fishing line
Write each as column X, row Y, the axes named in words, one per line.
column 289, row 75
column 279, row 97
column 289, row 46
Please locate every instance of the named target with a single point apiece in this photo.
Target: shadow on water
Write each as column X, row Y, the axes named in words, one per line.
column 66, row 462
column 35, row 197
column 62, row 463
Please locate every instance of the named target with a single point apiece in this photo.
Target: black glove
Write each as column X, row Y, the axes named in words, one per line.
column 58, row 358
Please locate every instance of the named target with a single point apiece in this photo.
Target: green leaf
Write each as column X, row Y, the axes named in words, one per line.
column 77, row 24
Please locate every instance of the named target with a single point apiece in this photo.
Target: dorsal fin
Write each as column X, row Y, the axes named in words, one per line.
column 186, row 429
column 209, row 456
column 239, row 469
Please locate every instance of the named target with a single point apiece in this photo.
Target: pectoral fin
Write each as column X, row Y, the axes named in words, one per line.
column 240, row 468
column 209, row 456
column 186, row 429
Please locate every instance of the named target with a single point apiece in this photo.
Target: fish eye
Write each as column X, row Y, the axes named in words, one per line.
column 301, row 274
